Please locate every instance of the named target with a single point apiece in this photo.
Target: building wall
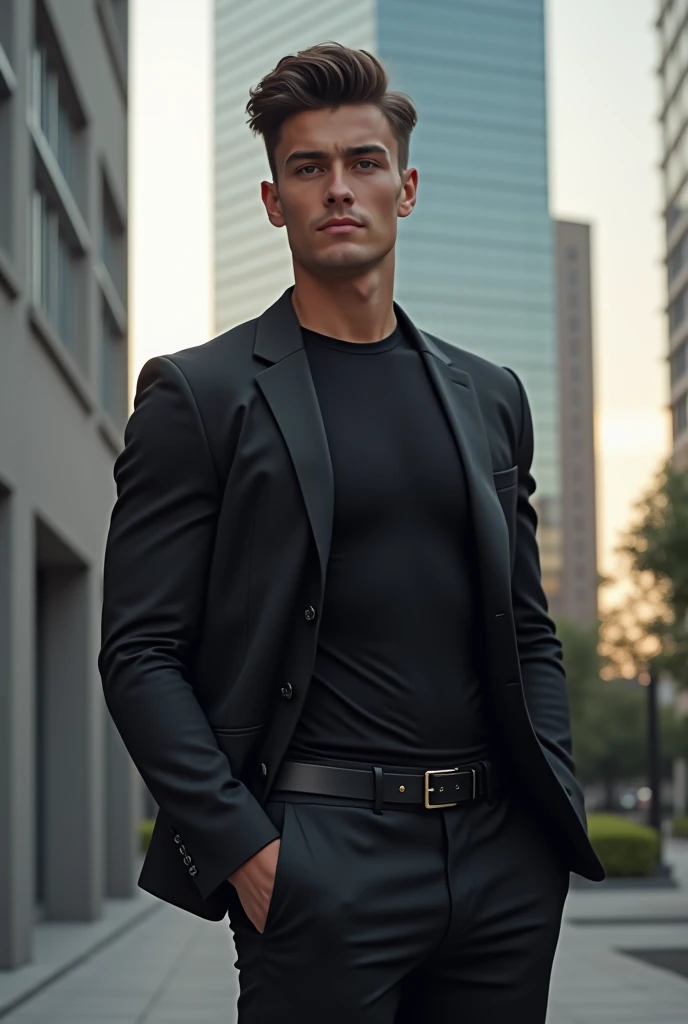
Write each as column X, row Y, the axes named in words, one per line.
column 63, row 404
column 577, row 600
column 672, row 27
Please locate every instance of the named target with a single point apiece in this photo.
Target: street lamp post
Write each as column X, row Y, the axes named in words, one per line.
column 654, row 771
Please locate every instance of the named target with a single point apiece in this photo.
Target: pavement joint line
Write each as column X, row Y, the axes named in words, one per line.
column 67, row 968
column 169, row 974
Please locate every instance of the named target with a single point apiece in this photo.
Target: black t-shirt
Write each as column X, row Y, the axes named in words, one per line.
column 396, row 678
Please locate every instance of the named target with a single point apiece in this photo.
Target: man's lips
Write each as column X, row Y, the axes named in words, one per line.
column 336, row 227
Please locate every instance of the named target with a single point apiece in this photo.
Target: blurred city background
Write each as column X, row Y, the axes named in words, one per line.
column 550, row 235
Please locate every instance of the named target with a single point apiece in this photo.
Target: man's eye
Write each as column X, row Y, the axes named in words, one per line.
column 369, row 162
column 308, row 167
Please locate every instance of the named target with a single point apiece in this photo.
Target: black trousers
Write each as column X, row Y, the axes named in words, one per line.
column 412, row 916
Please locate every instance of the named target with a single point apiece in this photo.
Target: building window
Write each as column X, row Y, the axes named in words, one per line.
column 572, row 253
column 113, row 243
column 55, row 107
column 120, row 13
column 574, row 324
column 677, row 259
column 113, row 377
column 679, row 416
column 7, row 83
column 575, row 423
column 677, row 363
column 575, row 397
column 578, row 524
column 55, row 272
column 577, row 446
column 677, row 311
column 577, row 474
column 573, row 300
column 580, row 572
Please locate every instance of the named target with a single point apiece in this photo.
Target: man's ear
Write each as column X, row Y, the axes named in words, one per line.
column 270, row 197
column 408, row 192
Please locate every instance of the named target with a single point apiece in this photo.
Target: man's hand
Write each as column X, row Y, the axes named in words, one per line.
column 254, row 882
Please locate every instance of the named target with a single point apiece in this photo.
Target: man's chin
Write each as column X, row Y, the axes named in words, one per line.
column 345, row 261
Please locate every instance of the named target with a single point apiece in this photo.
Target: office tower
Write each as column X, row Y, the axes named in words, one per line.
column 475, row 258
column 67, row 791
column 577, row 600
column 672, row 25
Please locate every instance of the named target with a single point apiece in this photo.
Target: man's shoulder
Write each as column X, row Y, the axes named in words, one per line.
column 484, row 372
column 225, row 355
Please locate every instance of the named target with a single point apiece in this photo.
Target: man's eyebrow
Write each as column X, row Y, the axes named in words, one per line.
column 320, row 154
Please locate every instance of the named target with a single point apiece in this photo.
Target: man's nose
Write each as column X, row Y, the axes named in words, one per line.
column 338, row 192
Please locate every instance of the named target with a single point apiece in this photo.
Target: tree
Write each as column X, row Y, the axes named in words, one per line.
column 650, row 625
column 607, row 717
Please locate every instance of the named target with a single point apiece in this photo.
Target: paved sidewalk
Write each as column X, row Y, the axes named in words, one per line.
column 173, row 968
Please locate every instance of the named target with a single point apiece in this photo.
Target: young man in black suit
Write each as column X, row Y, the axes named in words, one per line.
column 325, row 639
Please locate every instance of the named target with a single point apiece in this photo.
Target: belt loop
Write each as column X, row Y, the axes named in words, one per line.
column 377, row 782
column 487, row 782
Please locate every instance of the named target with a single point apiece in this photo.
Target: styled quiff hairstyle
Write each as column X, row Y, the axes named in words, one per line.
column 322, row 77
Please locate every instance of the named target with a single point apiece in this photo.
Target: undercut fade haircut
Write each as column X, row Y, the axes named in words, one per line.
column 322, row 77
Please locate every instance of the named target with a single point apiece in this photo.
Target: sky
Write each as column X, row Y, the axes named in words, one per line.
column 604, row 150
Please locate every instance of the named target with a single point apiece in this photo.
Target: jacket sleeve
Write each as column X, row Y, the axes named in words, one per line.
column 539, row 649
column 156, row 565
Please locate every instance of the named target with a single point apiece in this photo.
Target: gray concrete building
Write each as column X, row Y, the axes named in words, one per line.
column 68, row 790
column 577, row 597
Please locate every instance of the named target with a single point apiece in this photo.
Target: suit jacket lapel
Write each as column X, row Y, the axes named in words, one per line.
column 456, row 392
column 289, row 390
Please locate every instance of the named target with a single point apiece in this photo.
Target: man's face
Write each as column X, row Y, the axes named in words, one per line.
column 339, row 165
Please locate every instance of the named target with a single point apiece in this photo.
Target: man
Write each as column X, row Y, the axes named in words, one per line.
column 325, row 639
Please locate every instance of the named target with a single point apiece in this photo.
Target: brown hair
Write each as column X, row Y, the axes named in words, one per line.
column 326, row 76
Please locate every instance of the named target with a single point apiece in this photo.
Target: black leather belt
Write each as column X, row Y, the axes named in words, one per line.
column 438, row 787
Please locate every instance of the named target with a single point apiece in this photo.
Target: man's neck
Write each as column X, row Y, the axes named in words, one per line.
column 358, row 309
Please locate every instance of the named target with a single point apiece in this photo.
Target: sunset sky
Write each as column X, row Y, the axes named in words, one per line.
column 604, row 142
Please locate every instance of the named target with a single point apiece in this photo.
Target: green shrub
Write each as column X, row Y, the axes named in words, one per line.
column 145, row 832
column 679, row 827
column 626, row 848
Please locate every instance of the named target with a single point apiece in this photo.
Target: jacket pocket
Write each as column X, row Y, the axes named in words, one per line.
column 504, row 478
column 238, row 730
column 237, row 745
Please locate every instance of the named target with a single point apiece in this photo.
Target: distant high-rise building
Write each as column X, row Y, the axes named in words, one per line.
column 67, row 786
column 577, row 600
column 672, row 25
column 475, row 259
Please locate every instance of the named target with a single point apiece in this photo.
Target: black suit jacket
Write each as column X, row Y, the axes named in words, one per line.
column 215, row 571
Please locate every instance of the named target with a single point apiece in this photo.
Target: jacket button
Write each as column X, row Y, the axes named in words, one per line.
column 193, row 870
column 187, row 859
column 287, row 691
column 263, row 768
column 309, row 613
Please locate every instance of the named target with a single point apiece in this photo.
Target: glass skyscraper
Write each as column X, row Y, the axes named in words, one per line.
column 476, row 257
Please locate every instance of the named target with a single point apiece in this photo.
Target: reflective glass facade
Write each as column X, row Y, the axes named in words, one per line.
column 476, row 257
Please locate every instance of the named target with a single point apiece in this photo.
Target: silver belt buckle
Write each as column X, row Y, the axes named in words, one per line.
column 446, row 772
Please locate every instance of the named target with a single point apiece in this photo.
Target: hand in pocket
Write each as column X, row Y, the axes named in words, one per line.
column 254, row 882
